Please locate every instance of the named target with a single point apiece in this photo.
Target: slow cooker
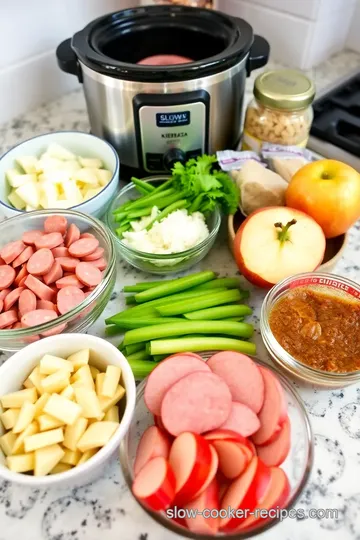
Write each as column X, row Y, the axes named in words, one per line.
column 155, row 115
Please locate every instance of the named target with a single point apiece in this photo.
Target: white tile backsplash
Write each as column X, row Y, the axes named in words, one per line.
column 307, row 9
column 353, row 40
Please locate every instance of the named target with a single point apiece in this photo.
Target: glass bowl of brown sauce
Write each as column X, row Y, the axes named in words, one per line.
column 310, row 325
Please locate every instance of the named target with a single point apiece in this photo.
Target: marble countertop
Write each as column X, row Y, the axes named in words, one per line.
column 105, row 508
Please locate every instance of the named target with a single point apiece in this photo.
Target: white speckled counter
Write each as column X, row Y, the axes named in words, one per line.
column 106, row 509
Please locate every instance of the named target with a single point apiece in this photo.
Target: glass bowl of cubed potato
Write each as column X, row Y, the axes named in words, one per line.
column 65, row 405
column 62, row 169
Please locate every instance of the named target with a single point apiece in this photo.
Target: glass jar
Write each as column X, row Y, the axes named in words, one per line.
column 281, row 111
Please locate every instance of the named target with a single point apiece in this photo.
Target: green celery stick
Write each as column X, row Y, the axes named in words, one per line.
column 112, row 330
column 175, row 286
column 135, row 347
column 144, row 286
column 121, row 346
column 171, row 208
column 139, row 355
column 129, row 300
column 142, row 368
column 229, row 283
column 196, row 344
column 220, row 312
column 120, row 230
column 147, row 186
column 199, row 302
column 159, row 357
column 138, row 322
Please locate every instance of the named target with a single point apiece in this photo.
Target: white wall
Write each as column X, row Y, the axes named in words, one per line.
column 353, row 41
column 302, row 33
column 30, row 31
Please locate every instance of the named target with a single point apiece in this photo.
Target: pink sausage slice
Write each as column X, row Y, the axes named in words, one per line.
column 7, row 276
column 68, row 298
column 45, row 304
column 4, row 293
column 12, row 298
column 88, row 274
column 99, row 263
column 68, row 263
column 8, row 318
column 83, row 247
column 198, row 402
column 29, row 237
column 49, row 241
column 1, row 305
column 87, row 235
column 55, row 273
column 164, row 60
column 242, row 420
column 69, row 281
column 271, row 411
column 22, row 274
column 38, row 316
column 27, row 302
column 41, row 290
column 275, row 453
column 11, row 251
column 242, row 376
column 40, row 262
column 55, row 224
column 98, row 253
column 166, row 374
column 60, row 252
column 72, row 235
column 23, row 257
column 153, row 443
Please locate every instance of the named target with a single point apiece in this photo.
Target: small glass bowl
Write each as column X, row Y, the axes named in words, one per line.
column 86, row 313
column 158, row 263
column 321, row 282
column 297, row 465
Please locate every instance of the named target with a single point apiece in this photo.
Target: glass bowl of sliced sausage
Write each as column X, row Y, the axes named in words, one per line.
column 57, row 272
column 220, row 445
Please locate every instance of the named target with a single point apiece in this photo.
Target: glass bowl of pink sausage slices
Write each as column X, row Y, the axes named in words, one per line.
column 219, row 445
column 57, row 272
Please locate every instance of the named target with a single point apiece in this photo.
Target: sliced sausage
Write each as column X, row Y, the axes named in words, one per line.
column 49, row 241
column 68, row 298
column 1, row 305
column 12, row 250
column 40, row 262
column 155, row 484
column 27, row 302
column 8, row 318
column 4, row 293
column 242, row 420
column 166, row 374
column 164, row 60
column 208, row 500
column 69, row 281
column 23, row 257
column 153, row 443
column 242, row 376
column 72, row 235
column 12, row 298
column 54, row 274
column 29, row 237
column 232, row 460
column 45, row 304
column 275, row 453
column 88, row 274
column 198, row 402
column 99, row 263
column 98, row 253
column 55, row 224
column 7, row 276
column 60, row 252
column 38, row 316
column 87, row 235
column 21, row 274
column 2, row 262
column 68, row 263
column 271, row 411
column 41, row 290
column 83, row 247
column 54, row 331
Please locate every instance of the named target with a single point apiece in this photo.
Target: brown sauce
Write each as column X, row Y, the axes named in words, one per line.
column 319, row 330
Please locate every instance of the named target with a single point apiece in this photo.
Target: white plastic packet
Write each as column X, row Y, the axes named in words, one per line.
column 285, row 160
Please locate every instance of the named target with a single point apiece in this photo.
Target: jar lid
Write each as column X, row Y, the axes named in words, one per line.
column 285, row 89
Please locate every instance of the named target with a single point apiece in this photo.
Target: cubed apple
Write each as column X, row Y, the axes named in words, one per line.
column 97, row 435
column 47, row 458
column 15, row 400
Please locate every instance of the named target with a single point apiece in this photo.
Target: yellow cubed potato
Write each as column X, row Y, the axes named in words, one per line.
column 40, row 404
column 51, row 364
column 29, row 193
column 112, row 415
column 56, row 382
column 28, row 384
column 11, row 175
column 94, row 371
column 89, row 403
column 104, row 176
column 106, row 403
column 71, row 457
column 97, row 435
column 60, row 468
column 68, row 392
column 92, row 163
column 21, row 463
column 71, row 166
column 98, row 419
column 87, row 455
column 7, row 442
column 73, row 434
column 27, row 163
column 48, row 194
column 9, row 417
column 83, row 377
column 57, row 151
column 15, row 400
column 46, row 438
column 19, row 447
column 47, row 458
column 36, row 378
column 111, row 381
column 19, row 180
column 63, row 409
column 99, row 383
column 26, row 416
column 47, row 422
column 92, row 193
column 86, row 175
column 16, row 201
column 80, row 358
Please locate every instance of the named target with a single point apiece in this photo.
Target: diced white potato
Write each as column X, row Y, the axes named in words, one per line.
column 16, row 201
column 104, row 176
column 7, row 442
column 26, row 416
column 48, row 195
column 68, row 392
column 51, row 364
column 57, row 151
column 15, row 400
column 83, row 377
column 73, row 434
column 29, row 193
column 60, row 468
column 71, row 457
column 89, row 403
column 46, row 438
column 86, row 176
column 106, row 403
column 18, row 180
column 94, row 371
column 111, row 381
column 87, row 455
column 11, row 174
column 19, row 447
column 63, row 409
column 21, row 463
column 46, row 458
column 36, row 378
column 92, row 193
column 99, row 381
column 72, row 192
column 97, row 435
column 40, row 404
column 80, row 358
column 47, row 422
column 56, row 382
column 9, row 418
column 47, row 163
column 92, row 163
column 112, row 415
column 71, row 166
column 27, row 163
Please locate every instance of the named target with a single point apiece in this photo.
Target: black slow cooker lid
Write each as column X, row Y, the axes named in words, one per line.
column 114, row 43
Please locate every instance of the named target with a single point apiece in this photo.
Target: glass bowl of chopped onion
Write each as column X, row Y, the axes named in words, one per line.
column 171, row 244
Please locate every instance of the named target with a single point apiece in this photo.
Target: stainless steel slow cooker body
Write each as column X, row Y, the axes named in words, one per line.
column 156, row 115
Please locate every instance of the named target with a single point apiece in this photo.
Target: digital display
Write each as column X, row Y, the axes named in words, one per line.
column 173, row 119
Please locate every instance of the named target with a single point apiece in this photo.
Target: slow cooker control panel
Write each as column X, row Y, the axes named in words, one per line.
column 170, row 128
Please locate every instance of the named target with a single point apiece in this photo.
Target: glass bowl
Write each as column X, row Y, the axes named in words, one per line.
column 158, row 263
column 322, row 282
column 86, row 313
column 297, row 466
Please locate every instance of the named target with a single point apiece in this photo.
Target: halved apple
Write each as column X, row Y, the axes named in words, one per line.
column 277, row 242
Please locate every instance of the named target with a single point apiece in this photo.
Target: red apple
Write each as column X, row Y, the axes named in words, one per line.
column 205, row 522
column 232, row 458
column 154, row 486
column 277, row 242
